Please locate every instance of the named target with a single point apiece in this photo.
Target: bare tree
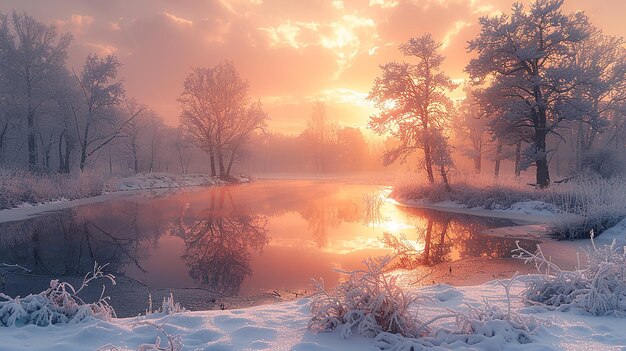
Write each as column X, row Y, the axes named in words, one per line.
column 413, row 101
column 31, row 54
column 217, row 114
column 99, row 124
column 320, row 133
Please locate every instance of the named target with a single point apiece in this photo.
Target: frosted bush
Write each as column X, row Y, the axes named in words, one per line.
column 598, row 288
column 19, row 186
column 591, row 203
column 369, row 302
column 587, row 202
column 59, row 303
column 168, row 307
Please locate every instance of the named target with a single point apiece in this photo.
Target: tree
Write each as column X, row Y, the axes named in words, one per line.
column 472, row 129
column 319, row 134
column 603, row 59
column 217, row 113
column 413, row 102
column 352, row 149
column 100, row 124
column 528, row 58
column 31, row 55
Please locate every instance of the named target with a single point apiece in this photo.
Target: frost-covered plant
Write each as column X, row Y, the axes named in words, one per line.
column 598, row 288
column 174, row 342
column 489, row 320
column 59, row 303
column 369, row 302
column 372, row 304
column 484, row 326
column 20, row 186
column 168, row 307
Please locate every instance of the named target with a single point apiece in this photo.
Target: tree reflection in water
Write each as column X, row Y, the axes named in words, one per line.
column 445, row 237
column 68, row 242
column 219, row 244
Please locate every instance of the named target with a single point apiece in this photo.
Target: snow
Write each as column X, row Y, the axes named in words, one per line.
column 526, row 212
column 165, row 180
column 283, row 326
column 117, row 188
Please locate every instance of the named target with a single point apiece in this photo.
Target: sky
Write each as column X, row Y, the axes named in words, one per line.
column 293, row 53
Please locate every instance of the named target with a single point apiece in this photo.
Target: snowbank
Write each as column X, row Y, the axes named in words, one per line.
column 525, row 212
column 113, row 189
column 284, row 327
column 164, row 180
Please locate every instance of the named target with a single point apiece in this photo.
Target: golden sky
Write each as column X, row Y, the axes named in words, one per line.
column 292, row 52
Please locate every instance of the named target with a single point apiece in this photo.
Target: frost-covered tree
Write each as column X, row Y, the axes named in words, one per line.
column 471, row 129
column 529, row 62
column 32, row 54
column 603, row 60
column 102, row 92
column 217, row 113
column 413, row 102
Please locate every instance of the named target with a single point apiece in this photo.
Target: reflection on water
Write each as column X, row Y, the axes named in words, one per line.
column 243, row 239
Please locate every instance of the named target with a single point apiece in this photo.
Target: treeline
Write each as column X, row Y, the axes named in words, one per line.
column 546, row 89
column 55, row 119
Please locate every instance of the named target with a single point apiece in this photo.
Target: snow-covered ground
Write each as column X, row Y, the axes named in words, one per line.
column 283, row 326
column 115, row 189
column 164, row 180
column 527, row 212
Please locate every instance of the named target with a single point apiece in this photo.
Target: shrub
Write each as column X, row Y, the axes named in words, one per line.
column 373, row 305
column 58, row 304
column 369, row 301
column 598, row 288
column 18, row 187
column 588, row 202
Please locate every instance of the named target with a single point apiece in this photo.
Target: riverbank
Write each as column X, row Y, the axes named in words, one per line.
column 570, row 210
column 47, row 200
column 283, row 326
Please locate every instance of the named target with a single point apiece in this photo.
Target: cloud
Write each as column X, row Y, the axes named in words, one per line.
column 178, row 20
column 76, row 24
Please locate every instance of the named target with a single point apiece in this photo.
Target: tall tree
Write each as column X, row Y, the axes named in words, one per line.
column 31, row 55
column 528, row 58
column 603, row 60
column 320, row 133
column 217, row 113
column 99, row 124
column 413, row 102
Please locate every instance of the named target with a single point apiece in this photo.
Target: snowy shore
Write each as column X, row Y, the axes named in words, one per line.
column 283, row 326
column 117, row 188
column 527, row 212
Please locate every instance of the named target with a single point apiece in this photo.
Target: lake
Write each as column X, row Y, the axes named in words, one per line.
column 246, row 239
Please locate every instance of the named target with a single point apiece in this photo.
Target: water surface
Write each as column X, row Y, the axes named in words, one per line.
column 244, row 239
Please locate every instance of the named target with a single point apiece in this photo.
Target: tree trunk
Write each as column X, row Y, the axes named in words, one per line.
column 212, row 160
column 518, row 159
column 231, row 161
column 543, row 171
column 496, row 172
column 478, row 160
column 428, row 164
column 68, row 153
column 2, row 135
column 32, row 142
column 60, row 145
column 220, row 159
column 444, row 178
